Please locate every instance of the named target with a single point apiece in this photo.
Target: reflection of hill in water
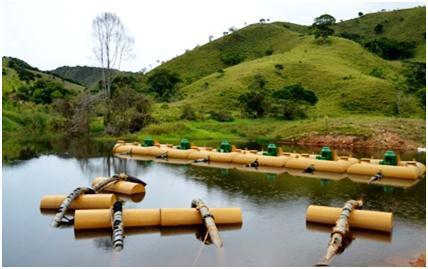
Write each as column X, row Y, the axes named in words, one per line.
column 15, row 149
column 264, row 189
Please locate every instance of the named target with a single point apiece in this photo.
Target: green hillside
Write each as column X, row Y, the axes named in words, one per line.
column 22, row 116
column 400, row 25
column 340, row 73
column 249, row 43
column 358, row 92
column 85, row 75
column 12, row 82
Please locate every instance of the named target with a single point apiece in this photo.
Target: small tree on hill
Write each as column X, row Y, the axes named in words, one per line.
column 163, row 84
column 322, row 26
column 378, row 29
column 360, row 14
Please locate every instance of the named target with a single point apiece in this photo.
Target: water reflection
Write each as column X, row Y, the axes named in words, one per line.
column 273, row 208
column 102, row 237
column 356, row 233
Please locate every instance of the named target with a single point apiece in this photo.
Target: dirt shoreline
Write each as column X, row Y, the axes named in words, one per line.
column 387, row 140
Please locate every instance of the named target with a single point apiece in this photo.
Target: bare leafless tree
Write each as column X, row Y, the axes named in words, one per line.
column 112, row 45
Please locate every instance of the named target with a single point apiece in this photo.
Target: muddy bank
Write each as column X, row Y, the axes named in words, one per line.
column 385, row 140
column 419, row 262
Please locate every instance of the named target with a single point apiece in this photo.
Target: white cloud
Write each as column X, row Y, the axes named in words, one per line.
column 48, row 34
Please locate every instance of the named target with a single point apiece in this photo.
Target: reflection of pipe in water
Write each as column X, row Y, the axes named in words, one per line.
column 384, row 181
column 134, row 157
column 212, row 164
column 262, row 169
column 355, row 232
column 198, row 230
column 317, row 174
column 174, row 161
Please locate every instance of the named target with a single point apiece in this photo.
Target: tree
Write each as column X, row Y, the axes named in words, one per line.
column 291, row 102
column 322, row 26
column 255, row 102
column 378, row 29
column 163, row 84
column 112, row 45
column 360, row 14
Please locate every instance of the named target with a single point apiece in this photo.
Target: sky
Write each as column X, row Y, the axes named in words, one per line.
column 52, row 33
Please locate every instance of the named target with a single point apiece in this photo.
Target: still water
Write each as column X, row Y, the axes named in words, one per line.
column 273, row 233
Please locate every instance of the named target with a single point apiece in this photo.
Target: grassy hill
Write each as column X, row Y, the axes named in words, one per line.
column 85, row 75
column 29, row 117
column 11, row 80
column 340, row 74
column 249, row 43
column 401, row 25
column 359, row 93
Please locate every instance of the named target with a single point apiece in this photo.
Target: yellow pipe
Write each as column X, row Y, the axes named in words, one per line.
column 224, row 157
column 405, row 172
column 121, row 186
column 101, row 218
column 365, row 219
column 302, row 163
column 84, row 201
column 198, row 154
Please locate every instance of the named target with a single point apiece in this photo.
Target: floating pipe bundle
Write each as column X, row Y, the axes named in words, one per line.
column 101, row 218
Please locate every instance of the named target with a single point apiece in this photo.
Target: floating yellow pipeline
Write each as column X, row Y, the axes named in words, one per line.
column 121, row 186
column 368, row 169
column 84, row 201
column 101, row 218
column 365, row 219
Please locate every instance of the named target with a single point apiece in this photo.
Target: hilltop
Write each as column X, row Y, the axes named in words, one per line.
column 401, row 25
column 85, row 75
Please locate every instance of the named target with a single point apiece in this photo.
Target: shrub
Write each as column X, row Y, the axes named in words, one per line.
column 254, row 103
column 220, row 73
column 378, row 29
column 279, row 67
column 188, row 113
column 377, row 72
column 232, row 58
column 163, row 84
column 351, row 36
column 291, row 102
column 221, row 116
column 296, row 93
column 269, row 52
column 391, row 49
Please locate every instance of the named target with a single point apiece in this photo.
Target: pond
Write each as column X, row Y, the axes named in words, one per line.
column 274, row 231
